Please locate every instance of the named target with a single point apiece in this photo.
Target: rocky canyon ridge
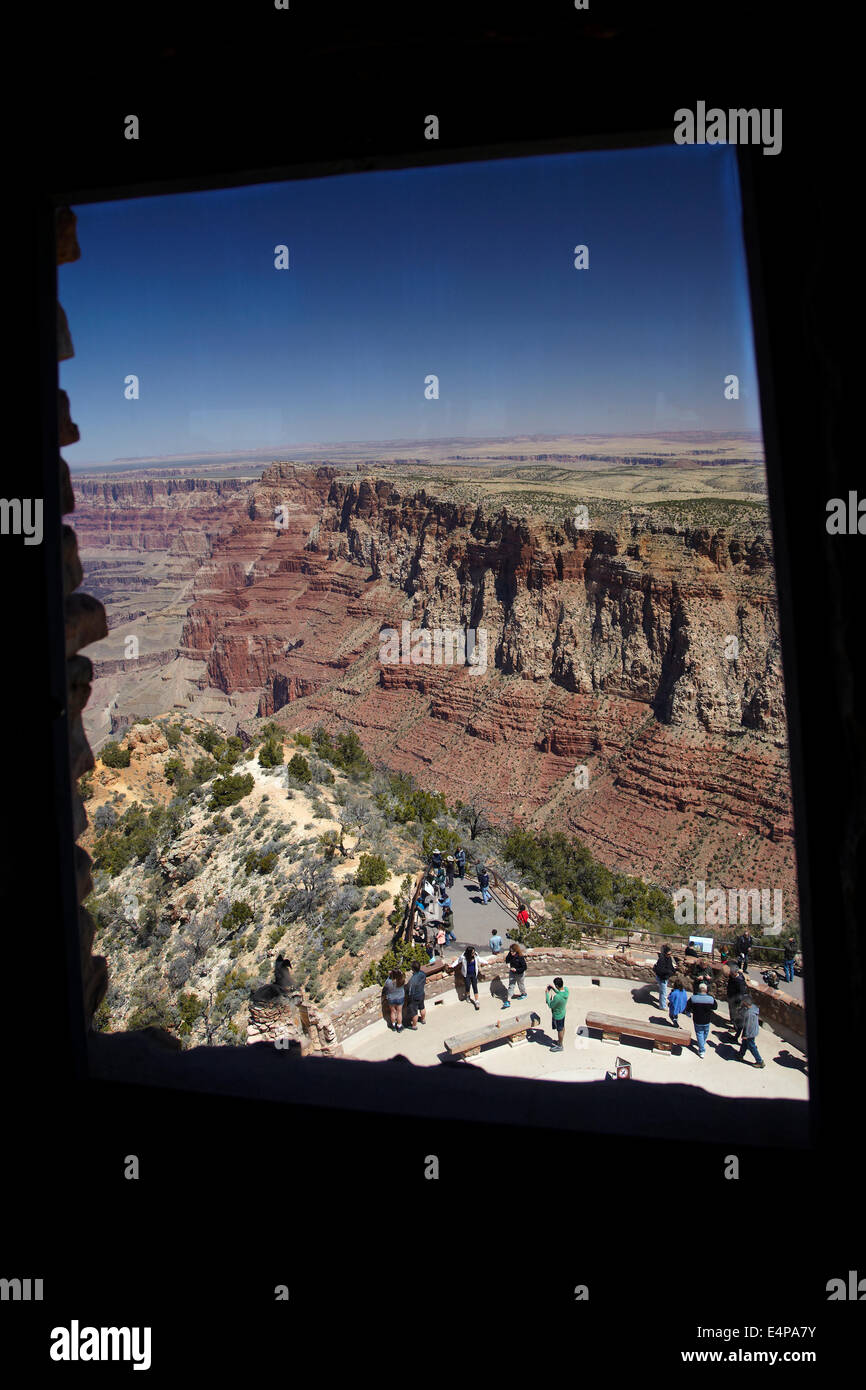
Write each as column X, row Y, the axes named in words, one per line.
column 643, row 647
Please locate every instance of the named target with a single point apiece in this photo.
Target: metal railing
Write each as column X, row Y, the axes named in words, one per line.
column 599, row 931
column 622, row 934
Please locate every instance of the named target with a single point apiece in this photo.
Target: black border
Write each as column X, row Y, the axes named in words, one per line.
column 70, row 1147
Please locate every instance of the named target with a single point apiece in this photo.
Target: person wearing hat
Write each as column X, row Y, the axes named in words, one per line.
column 449, row 870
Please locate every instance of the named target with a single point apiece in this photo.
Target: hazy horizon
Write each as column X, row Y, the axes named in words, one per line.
column 463, row 271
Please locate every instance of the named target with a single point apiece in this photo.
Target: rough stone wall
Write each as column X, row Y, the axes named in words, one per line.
column 282, row 1021
column 85, row 622
column 359, row 1010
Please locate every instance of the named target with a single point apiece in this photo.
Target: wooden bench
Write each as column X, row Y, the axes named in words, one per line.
column 512, row 1030
column 613, row 1029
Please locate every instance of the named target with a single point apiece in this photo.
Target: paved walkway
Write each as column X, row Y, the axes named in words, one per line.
column 474, row 921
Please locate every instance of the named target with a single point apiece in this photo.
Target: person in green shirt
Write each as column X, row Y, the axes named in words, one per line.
column 557, row 998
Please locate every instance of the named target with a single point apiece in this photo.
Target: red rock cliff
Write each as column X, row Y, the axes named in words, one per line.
column 646, row 652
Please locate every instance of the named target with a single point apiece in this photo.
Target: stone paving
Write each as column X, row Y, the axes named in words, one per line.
column 586, row 1057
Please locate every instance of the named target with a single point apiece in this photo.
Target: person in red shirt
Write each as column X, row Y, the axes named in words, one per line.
column 522, row 915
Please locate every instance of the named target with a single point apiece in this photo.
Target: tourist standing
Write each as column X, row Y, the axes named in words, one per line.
column 439, row 882
column 495, row 943
column 744, row 946
column 415, row 998
column 751, row 1024
column 395, row 994
column 522, row 916
column 557, row 1000
column 701, row 1006
column 449, row 870
column 516, row 962
column 484, row 883
column 448, row 924
column 789, row 955
column 664, row 968
column 738, row 995
column 677, row 1000
column 460, row 861
column 467, row 966
column 436, row 860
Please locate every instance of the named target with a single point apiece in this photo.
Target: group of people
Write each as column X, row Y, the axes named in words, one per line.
column 701, row 1003
column 435, row 929
column 400, row 993
column 744, row 944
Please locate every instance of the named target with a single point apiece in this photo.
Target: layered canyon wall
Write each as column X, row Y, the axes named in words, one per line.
column 643, row 652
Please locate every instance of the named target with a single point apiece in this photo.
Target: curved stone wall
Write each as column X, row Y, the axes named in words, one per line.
column 356, row 1012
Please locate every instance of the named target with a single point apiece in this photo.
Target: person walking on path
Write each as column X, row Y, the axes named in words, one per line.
column 789, row 955
column 738, row 996
column 664, row 968
column 484, row 883
column 701, row 1006
column 448, row 925
column 495, row 943
column 415, row 998
column 677, row 1000
column 557, row 999
column 522, row 916
column 516, row 962
column 744, row 946
column 467, row 966
column 751, row 1023
column 395, row 995
column 460, row 861
column 449, row 870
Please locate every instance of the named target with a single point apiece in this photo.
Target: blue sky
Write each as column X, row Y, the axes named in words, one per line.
column 463, row 271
